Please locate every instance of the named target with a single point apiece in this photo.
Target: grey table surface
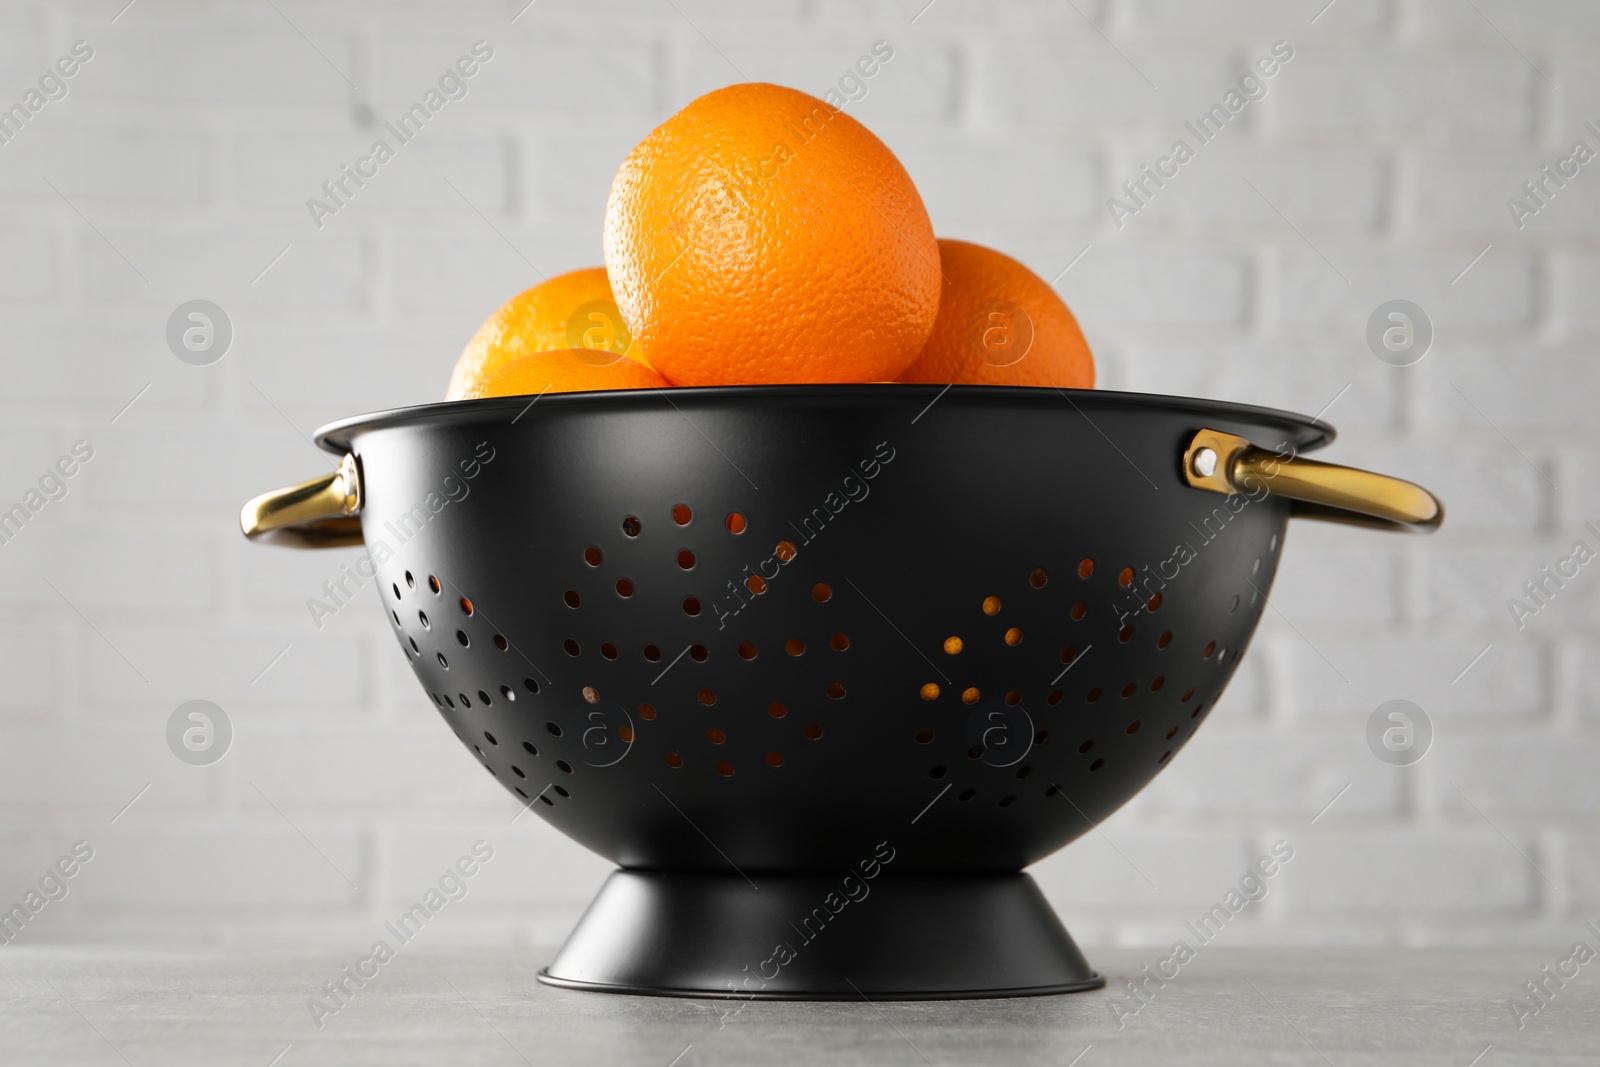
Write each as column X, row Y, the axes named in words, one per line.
column 86, row 1005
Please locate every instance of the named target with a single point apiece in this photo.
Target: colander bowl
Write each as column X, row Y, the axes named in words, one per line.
column 823, row 669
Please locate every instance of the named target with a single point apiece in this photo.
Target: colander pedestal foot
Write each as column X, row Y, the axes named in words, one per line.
column 821, row 937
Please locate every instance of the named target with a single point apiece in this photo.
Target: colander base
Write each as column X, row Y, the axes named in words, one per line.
column 820, row 937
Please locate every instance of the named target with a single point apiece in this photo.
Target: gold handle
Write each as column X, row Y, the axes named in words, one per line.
column 321, row 513
column 1226, row 463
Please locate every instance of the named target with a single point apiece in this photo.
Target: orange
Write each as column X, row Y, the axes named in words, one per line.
column 761, row 236
column 572, row 310
column 565, row 371
column 1000, row 324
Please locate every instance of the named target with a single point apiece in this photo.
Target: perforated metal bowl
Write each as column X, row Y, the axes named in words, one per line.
column 743, row 641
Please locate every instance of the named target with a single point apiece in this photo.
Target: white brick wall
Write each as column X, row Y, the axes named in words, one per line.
column 1391, row 141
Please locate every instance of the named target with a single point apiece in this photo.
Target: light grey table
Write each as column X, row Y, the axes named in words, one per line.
column 74, row 1005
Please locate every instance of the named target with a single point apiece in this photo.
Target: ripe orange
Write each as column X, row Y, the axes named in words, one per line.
column 565, row 371
column 572, row 310
column 1000, row 324
column 760, row 236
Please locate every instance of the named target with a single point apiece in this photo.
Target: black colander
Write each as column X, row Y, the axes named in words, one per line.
column 822, row 669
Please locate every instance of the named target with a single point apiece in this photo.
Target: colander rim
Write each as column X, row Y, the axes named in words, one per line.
column 1304, row 432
